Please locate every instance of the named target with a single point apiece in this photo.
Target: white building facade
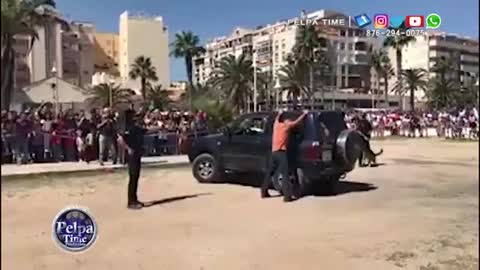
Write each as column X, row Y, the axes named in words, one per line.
column 426, row 50
column 269, row 46
column 141, row 35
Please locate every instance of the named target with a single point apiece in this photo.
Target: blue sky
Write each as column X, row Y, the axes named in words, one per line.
column 211, row 18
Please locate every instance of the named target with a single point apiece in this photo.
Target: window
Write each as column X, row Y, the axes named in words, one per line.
column 342, row 46
column 283, row 45
column 350, row 46
column 250, row 126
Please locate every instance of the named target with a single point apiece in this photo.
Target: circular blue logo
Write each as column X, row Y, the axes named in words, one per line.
column 74, row 229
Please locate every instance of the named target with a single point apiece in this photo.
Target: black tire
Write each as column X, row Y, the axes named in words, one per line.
column 349, row 148
column 277, row 182
column 214, row 172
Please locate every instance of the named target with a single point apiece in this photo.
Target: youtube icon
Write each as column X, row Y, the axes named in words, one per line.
column 415, row 21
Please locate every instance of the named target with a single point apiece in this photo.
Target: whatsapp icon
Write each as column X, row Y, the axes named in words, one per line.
column 433, row 20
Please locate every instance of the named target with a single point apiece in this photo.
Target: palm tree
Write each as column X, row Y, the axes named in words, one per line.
column 387, row 72
column 442, row 93
column 306, row 43
column 234, row 76
column 378, row 60
column 108, row 95
column 383, row 69
column 187, row 45
column 444, row 88
column 397, row 42
column 219, row 112
column 468, row 95
column 265, row 85
column 20, row 18
column 293, row 78
column 159, row 98
column 414, row 80
column 142, row 68
column 445, row 68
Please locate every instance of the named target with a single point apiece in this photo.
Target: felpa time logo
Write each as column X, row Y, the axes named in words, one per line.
column 74, row 229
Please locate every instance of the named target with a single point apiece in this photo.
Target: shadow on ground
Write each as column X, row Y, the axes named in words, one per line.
column 342, row 187
column 374, row 165
column 174, row 199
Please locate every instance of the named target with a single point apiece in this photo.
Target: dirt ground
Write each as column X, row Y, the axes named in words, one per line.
column 419, row 210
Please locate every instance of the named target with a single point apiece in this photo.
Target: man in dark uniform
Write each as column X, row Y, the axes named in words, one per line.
column 364, row 126
column 131, row 139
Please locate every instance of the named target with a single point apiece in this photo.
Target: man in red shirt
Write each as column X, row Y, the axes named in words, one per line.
column 279, row 160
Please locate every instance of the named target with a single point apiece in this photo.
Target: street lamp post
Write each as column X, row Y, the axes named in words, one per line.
column 254, row 82
column 55, row 91
column 110, row 94
column 277, row 90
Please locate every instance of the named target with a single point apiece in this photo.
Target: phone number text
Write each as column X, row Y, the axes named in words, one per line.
column 395, row 32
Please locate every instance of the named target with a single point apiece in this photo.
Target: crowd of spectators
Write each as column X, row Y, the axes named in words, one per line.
column 41, row 136
column 453, row 124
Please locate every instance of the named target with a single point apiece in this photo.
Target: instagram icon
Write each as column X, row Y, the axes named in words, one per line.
column 380, row 21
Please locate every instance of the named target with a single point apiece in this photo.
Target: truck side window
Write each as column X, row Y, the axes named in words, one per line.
column 251, row 126
column 258, row 125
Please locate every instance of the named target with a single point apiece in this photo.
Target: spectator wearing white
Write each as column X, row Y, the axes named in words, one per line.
column 107, row 137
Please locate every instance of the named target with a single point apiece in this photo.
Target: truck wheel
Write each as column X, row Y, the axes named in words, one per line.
column 206, row 169
column 277, row 182
column 348, row 145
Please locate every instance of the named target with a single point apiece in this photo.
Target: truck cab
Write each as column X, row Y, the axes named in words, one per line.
column 320, row 148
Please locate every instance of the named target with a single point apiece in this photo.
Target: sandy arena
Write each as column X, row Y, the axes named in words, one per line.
column 417, row 211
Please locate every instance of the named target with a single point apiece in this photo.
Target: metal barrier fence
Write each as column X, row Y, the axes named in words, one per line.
column 47, row 147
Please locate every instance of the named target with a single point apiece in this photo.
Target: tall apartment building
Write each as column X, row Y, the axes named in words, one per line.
column 269, row 46
column 78, row 52
column 106, row 53
column 428, row 49
column 22, row 73
column 68, row 52
column 143, row 35
column 239, row 42
column 34, row 63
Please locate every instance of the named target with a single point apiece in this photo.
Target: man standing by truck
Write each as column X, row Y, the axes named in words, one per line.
column 279, row 159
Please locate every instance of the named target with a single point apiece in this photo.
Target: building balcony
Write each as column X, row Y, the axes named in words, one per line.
column 455, row 49
column 361, row 59
column 361, row 46
column 470, row 58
